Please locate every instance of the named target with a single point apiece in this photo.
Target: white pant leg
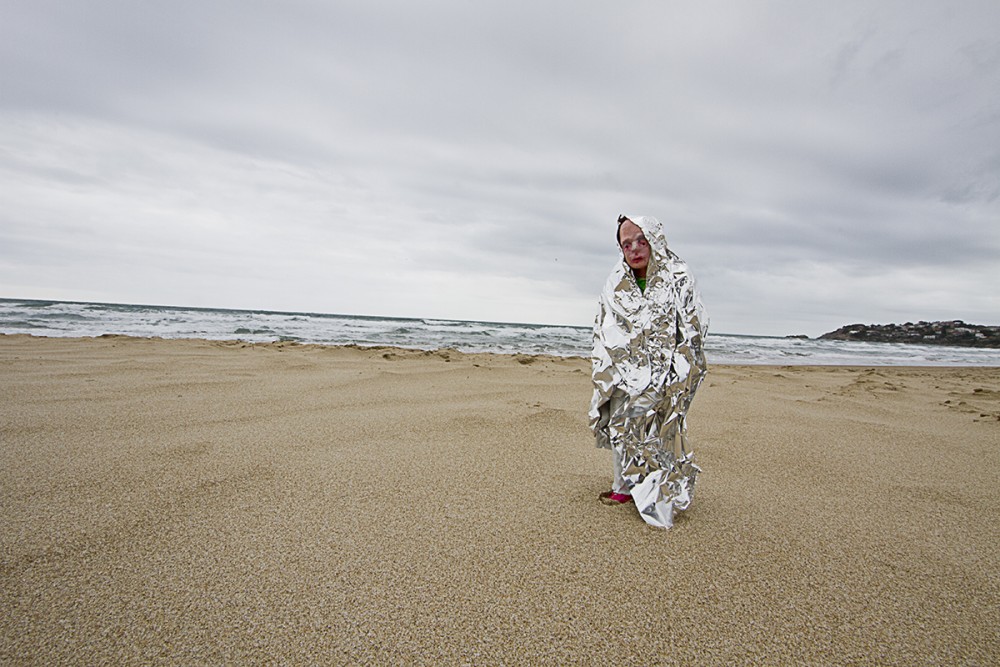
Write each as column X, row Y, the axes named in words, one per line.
column 618, row 485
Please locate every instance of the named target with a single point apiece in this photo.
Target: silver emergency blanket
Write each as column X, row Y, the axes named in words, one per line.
column 648, row 361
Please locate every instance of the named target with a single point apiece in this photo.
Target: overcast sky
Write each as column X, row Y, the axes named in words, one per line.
column 816, row 163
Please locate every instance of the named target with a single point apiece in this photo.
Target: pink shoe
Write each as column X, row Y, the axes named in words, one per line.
column 612, row 498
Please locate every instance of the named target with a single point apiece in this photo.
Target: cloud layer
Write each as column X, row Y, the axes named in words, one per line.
column 815, row 163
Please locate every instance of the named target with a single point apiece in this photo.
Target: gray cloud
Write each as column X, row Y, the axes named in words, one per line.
column 815, row 163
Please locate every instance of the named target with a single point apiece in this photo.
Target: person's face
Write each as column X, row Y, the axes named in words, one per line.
column 634, row 247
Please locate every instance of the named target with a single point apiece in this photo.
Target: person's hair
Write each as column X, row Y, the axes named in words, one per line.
column 618, row 232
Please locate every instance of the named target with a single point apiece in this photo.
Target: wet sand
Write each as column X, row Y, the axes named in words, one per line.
column 195, row 502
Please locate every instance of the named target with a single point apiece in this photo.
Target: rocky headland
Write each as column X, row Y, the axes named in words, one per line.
column 955, row 332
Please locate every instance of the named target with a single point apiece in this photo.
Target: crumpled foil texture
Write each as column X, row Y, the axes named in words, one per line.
column 648, row 361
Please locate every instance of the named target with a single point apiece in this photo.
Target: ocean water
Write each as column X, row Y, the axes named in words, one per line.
column 73, row 319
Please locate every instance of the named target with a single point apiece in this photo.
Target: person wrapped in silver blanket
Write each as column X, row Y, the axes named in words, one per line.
column 648, row 361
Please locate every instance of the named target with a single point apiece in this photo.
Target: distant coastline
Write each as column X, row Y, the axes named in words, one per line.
column 954, row 332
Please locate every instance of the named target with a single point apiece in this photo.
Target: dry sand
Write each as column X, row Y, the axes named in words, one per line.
column 191, row 502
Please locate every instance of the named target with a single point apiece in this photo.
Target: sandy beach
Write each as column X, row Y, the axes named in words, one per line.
column 196, row 502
